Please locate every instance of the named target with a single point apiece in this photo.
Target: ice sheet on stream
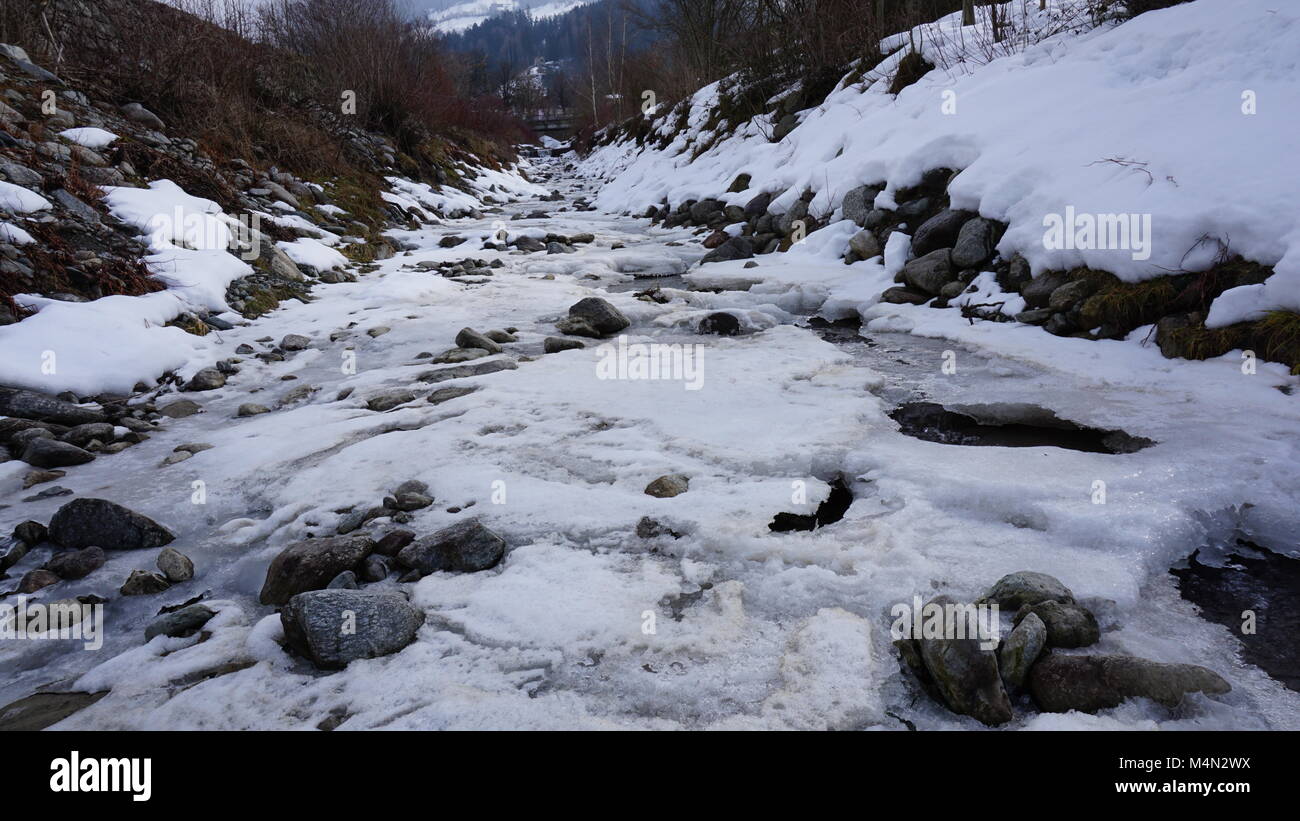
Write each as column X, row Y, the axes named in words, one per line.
column 751, row 628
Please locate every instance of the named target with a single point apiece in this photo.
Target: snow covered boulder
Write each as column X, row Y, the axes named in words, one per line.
column 311, row 564
column 335, row 627
column 1090, row 683
column 86, row 522
column 467, row 547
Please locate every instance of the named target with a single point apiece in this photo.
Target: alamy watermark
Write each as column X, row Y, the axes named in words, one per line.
column 1098, row 232
column 652, row 360
column 69, row 620
column 210, row 232
column 947, row 620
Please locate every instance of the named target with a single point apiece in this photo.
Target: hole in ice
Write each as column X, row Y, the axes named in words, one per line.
column 1259, row 580
column 829, row 511
column 1010, row 426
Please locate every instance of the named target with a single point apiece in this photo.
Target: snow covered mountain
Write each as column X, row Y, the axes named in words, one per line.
column 459, row 15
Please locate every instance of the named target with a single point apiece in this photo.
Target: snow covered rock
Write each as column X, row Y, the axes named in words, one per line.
column 310, row 565
column 1090, row 683
column 379, row 623
column 466, row 547
column 87, row 522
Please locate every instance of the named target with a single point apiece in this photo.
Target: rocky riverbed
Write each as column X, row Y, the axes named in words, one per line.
column 458, row 452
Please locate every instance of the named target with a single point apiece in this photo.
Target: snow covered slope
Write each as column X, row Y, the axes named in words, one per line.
column 1188, row 115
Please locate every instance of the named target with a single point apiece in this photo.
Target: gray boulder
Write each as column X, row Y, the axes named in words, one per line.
column 1038, row 291
column 859, row 202
column 81, row 435
column 864, row 245
column 929, row 273
column 139, row 114
column 311, row 564
column 665, row 487
column 1015, row 590
column 295, row 342
column 144, row 583
column 466, row 547
column 31, row 405
column 206, row 379
column 1090, row 683
column 600, row 315
column 51, row 453
column 966, row 676
column 1068, row 624
column 335, row 627
column 1021, row 649
column 940, row 231
column 99, row 522
column 183, row 622
column 390, row 399
column 76, row 564
column 974, row 244
column 734, row 248
column 471, row 369
column 175, row 565
column 470, row 338
column 757, row 206
column 555, row 344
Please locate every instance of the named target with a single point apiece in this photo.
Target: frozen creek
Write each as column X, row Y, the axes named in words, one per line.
column 751, row 628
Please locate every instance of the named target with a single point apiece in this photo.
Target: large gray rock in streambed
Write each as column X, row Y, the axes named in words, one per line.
column 975, row 243
column 338, row 626
column 600, row 315
column 965, row 675
column 1090, row 683
column 99, row 522
column 466, row 547
column 312, row 564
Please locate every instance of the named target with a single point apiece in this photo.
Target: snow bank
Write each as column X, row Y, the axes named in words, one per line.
column 1188, row 115
column 112, row 343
